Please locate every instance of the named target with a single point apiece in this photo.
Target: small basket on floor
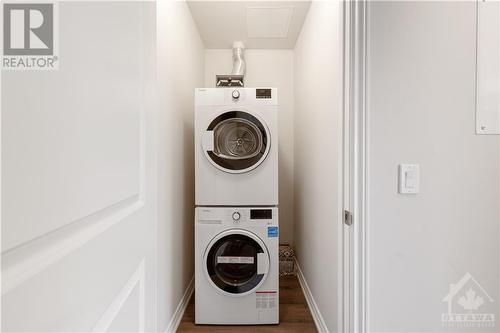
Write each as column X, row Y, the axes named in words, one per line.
column 287, row 260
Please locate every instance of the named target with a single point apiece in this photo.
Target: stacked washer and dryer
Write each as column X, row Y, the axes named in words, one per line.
column 236, row 227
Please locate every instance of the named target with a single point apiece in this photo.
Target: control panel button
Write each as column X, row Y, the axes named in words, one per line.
column 236, row 216
column 236, row 94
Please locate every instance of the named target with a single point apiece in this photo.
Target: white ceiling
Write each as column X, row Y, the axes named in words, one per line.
column 259, row 24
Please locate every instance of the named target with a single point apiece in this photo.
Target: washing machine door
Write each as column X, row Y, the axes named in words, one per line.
column 236, row 262
column 236, row 142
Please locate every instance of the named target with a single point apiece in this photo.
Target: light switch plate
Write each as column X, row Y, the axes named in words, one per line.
column 409, row 178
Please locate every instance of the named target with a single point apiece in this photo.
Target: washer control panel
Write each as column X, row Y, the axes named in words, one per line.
column 261, row 214
column 257, row 216
column 237, row 216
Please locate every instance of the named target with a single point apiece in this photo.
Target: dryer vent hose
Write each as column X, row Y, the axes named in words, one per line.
column 239, row 66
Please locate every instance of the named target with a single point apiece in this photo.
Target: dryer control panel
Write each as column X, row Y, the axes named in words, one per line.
column 236, row 96
column 263, row 93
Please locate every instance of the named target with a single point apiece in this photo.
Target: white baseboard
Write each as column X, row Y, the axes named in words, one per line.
column 313, row 307
column 181, row 308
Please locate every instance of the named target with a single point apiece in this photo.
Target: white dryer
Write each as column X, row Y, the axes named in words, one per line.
column 236, row 266
column 236, row 146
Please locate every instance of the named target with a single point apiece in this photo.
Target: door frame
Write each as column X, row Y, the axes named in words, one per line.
column 355, row 166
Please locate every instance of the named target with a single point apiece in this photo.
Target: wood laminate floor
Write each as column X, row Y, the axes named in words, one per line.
column 294, row 314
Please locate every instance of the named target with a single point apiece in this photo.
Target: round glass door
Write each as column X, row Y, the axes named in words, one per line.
column 234, row 262
column 240, row 142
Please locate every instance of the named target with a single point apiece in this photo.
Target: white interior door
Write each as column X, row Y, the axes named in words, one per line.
column 78, row 177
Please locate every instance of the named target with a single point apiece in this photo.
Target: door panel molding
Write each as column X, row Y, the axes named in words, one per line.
column 24, row 262
column 122, row 164
column 137, row 278
column 70, row 243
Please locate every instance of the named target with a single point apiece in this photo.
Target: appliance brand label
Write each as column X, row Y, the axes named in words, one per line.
column 235, row 260
column 272, row 231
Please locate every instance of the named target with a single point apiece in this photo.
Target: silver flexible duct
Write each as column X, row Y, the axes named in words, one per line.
column 239, row 66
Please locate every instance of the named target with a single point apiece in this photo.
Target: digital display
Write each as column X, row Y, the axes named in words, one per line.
column 263, row 93
column 261, row 214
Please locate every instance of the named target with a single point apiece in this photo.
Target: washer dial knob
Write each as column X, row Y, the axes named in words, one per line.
column 236, row 94
column 236, row 216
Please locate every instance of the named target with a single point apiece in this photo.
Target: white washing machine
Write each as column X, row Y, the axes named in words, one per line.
column 236, row 266
column 236, row 146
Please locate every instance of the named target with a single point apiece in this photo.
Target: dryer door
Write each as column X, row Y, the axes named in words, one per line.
column 236, row 262
column 236, row 142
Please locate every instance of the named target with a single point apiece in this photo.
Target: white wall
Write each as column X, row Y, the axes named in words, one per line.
column 318, row 155
column 270, row 68
column 181, row 58
column 421, row 86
